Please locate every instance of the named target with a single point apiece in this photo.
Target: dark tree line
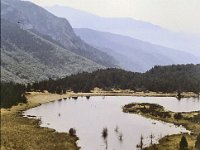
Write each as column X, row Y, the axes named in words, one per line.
column 174, row 78
column 12, row 94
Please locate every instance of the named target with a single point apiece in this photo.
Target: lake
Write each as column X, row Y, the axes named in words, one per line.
column 90, row 116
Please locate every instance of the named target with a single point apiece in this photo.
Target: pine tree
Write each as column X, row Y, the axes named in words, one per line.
column 183, row 143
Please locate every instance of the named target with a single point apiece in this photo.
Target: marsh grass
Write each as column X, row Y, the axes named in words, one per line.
column 120, row 137
column 20, row 133
column 72, row 132
column 105, row 133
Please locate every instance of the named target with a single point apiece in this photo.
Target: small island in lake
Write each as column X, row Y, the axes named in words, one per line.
column 190, row 120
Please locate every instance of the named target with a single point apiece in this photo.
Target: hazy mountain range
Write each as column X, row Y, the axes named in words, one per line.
column 133, row 54
column 37, row 45
column 130, row 27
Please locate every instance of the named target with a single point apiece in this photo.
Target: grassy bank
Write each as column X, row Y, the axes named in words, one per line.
column 190, row 120
column 21, row 133
column 115, row 92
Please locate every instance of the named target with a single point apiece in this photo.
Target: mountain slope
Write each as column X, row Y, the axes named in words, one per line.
column 32, row 17
column 26, row 56
column 133, row 54
column 134, row 28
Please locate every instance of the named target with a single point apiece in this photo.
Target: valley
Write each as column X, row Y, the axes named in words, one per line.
column 77, row 79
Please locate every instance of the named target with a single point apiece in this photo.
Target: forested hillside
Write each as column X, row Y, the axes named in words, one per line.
column 175, row 77
column 159, row 79
column 27, row 57
column 32, row 17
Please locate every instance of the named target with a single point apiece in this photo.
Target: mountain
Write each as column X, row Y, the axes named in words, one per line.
column 130, row 27
column 133, row 54
column 27, row 57
column 32, row 17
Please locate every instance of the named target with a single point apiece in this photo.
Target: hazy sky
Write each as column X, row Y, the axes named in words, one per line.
column 178, row 15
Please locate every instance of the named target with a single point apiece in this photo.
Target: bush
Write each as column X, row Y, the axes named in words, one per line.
column 183, row 143
column 178, row 116
column 72, row 132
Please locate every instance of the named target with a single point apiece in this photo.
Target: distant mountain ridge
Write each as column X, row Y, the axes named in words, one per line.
column 134, row 28
column 133, row 54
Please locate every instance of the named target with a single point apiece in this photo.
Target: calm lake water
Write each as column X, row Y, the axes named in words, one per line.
column 89, row 117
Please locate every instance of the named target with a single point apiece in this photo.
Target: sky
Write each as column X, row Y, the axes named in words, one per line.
column 176, row 15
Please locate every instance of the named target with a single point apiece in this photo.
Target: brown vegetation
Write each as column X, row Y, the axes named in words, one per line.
column 21, row 133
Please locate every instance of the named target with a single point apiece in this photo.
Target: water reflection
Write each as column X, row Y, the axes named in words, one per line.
column 105, row 135
column 101, row 124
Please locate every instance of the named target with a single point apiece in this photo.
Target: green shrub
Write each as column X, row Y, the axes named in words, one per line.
column 183, row 143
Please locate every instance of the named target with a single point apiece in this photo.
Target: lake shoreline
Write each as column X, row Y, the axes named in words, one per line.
column 158, row 112
column 12, row 121
column 13, row 116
